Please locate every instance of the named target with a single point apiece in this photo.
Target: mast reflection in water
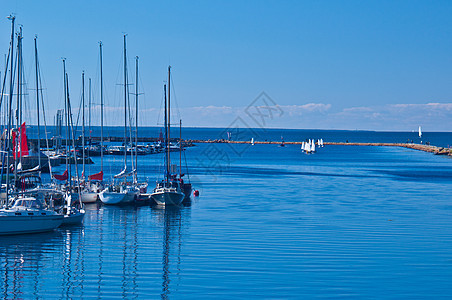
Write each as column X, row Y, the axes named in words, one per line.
column 172, row 245
column 119, row 252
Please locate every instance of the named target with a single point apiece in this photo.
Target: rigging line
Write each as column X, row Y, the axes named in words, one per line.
column 143, row 101
column 175, row 98
column 159, row 112
column 44, row 118
column 130, row 129
column 4, row 79
column 78, row 115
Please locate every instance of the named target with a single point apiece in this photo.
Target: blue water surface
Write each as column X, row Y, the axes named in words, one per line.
column 271, row 222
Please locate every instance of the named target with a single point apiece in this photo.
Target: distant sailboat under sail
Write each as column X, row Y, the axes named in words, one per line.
column 420, row 132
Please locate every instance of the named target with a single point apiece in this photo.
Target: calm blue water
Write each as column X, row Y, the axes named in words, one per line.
column 347, row 222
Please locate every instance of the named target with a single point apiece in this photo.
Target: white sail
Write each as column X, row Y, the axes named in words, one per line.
column 420, row 131
column 252, row 141
column 313, row 147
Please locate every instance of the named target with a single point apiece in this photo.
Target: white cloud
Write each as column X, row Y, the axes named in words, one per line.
column 294, row 110
column 431, row 116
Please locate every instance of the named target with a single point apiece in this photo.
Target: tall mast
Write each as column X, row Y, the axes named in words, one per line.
column 37, row 104
column 166, row 136
column 19, row 40
column 68, row 119
column 73, row 143
column 169, row 118
column 136, row 120
column 10, row 102
column 125, row 104
column 89, row 110
column 66, row 114
column 83, row 123
column 101, row 112
column 180, row 148
column 18, row 141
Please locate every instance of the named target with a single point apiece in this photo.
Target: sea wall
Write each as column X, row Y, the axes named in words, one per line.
column 421, row 147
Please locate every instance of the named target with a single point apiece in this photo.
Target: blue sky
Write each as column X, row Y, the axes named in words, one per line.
column 379, row 65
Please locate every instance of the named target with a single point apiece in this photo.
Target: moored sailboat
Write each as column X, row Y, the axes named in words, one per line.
column 28, row 215
column 168, row 191
column 121, row 193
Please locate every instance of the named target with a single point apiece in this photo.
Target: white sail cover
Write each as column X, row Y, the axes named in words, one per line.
column 132, row 172
column 122, row 174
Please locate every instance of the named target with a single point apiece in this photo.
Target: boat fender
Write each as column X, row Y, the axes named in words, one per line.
column 196, row 193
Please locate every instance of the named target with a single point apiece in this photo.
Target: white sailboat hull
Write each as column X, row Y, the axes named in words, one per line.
column 74, row 218
column 111, row 197
column 29, row 224
column 115, row 198
column 168, row 198
column 89, row 197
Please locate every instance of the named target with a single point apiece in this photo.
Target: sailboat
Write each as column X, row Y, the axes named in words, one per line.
column 252, row 141
column 121, row 193
column 28, row 215
column 20, row 213
column 73, row 211
column 87, row 194
column 420, row 132
column 168, row 191
column 95, row 184
column 142, row 197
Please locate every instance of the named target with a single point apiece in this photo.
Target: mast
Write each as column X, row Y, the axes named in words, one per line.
column 83, row 123
column 166, row 136
column 169, row 118
column 180, row 148
column 125, row 104
column 10, row 102
column 18, row 141
column 136, row 120
column 71, row 124
column 67, row 131
column 66, row 114
column 101, row 112
column 19, row 40
column 37, row 104
column 89, row 110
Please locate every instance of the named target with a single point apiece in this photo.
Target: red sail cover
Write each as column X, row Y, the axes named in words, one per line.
column 65, row 176
column 97, row 176
column 22, row 149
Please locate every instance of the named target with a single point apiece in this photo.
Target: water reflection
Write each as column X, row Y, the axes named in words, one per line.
column 119, row 252
column 73, row 262
column 116, row 234
column 175, row 220
column 21, row 258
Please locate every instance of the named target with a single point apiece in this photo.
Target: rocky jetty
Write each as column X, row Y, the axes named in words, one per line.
column 421, row 147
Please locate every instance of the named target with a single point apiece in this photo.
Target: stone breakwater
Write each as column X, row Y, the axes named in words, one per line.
column 421, row 147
